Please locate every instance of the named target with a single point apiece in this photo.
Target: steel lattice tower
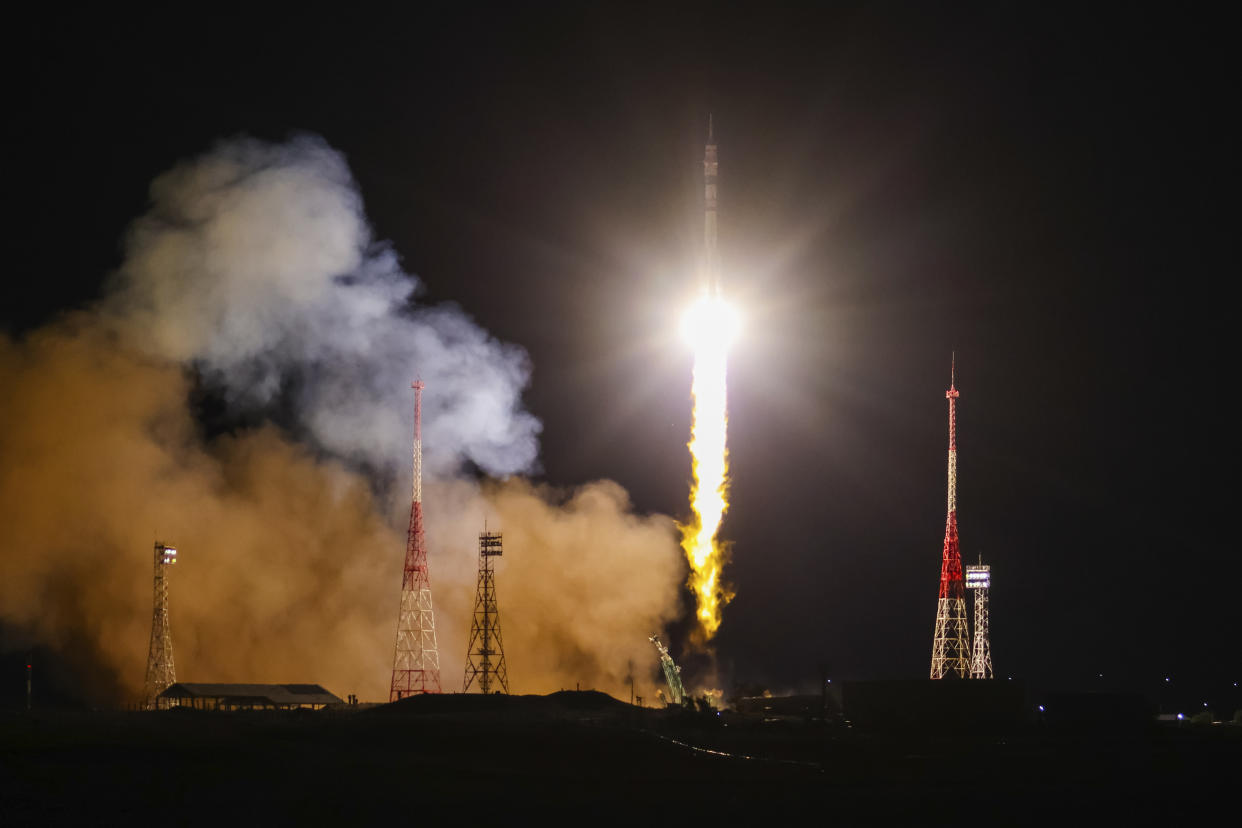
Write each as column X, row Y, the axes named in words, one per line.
column 416, row 660
column 672, row 673
column 161, row 672
column 951, row 642
column 979, row 579
column 485, row 640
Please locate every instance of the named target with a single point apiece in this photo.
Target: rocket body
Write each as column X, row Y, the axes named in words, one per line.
column 711, row 259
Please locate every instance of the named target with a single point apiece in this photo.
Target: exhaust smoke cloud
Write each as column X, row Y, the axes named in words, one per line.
column 254, row 272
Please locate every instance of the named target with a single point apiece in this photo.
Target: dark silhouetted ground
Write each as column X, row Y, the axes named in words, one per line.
column 586, row 758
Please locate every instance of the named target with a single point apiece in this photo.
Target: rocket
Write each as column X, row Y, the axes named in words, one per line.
column 711, row 259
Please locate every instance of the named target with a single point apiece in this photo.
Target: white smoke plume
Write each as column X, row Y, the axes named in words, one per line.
column 255, row 263
column 255, row 268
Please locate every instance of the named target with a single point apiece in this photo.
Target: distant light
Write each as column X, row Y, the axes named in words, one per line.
column 1011, row 678
column 1041, row 708
column 1205, row 704
column 1101, row 675
column 1166, row 678
column 1235, row 684
column 1181, row 716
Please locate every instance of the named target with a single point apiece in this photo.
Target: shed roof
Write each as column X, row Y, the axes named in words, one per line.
column 275, row 694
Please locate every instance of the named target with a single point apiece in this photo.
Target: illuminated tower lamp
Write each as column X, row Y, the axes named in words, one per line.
column 979, row 579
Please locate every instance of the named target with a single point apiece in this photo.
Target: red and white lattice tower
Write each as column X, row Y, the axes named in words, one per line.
column 951, row 643
column 416, row 660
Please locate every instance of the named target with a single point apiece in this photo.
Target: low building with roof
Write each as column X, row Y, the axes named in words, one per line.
column 247, row 697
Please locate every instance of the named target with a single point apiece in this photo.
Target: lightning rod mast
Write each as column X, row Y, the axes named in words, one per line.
column 951, row 640
column 416, row 659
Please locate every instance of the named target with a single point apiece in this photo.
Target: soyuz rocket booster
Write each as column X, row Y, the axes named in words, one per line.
column 711, row 259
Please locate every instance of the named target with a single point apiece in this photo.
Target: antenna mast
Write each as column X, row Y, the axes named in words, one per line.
column 951, row 640
column 416, row 659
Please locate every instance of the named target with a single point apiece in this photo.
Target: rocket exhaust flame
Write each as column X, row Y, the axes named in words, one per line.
column 709, row 327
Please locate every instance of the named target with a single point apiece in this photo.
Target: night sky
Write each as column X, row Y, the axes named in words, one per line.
column 1042, row 192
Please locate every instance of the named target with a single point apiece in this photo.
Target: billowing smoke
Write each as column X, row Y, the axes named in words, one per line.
column 255, row 273
column 582, row 583
column 255, row 263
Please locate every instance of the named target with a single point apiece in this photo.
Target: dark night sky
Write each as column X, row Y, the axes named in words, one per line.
column 1043, row 192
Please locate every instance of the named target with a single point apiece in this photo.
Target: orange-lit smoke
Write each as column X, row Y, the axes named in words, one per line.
column 291, row 549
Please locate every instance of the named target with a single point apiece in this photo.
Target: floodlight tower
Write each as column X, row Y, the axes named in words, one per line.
column 485, row 640
column 416, row 659
column 951, row 640
column 161, row 672
column 979, row 579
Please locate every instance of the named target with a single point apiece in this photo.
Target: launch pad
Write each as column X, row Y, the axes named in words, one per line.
column 567, row 754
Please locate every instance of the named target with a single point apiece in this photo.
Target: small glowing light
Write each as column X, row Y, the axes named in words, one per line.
column 1181, row 716
column 1166, row 678
column 1041, row 708
column 1101, row 675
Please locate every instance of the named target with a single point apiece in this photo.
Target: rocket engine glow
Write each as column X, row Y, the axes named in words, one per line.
column 709, row 327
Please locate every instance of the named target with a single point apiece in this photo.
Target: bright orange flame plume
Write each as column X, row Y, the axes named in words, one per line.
column 709, row 327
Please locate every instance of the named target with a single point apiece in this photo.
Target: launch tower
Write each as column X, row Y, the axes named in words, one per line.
column 979, row 579
column 951, row 641
column 416, row 660
column 161, row 672
column 485, row 640
column 672, row 673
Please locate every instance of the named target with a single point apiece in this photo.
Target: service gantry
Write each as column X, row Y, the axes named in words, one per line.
column 485, row 640
column 951, row 641
column 672, row 673
column 416, row 659
column 979, row 579
column 161, row 672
